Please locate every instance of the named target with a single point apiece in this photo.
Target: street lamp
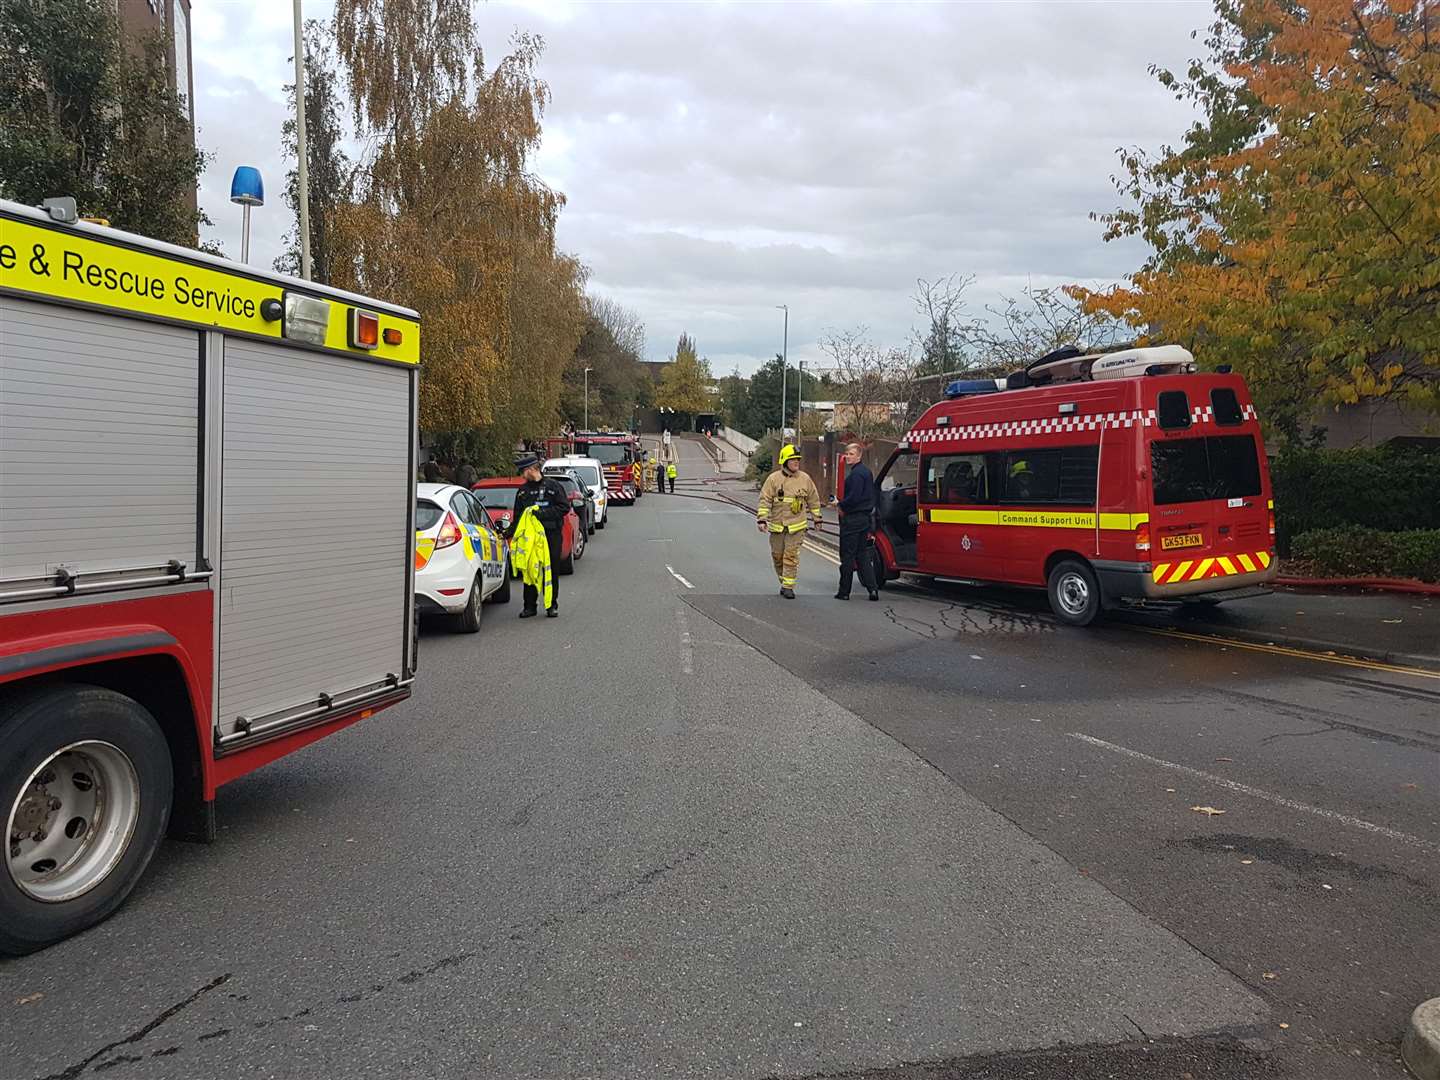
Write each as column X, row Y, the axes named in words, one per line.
column 799, row 397
column 247, row 189
column 587, row 397
column 784, row 365
column 302, row 150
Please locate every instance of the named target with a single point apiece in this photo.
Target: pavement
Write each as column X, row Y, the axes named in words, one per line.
column 691, row 829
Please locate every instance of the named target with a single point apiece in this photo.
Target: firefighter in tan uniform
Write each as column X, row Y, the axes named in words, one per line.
column 789, row 501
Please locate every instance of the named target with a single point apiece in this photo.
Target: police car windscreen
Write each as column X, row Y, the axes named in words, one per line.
column 427, row 515
column 497, row 498
column 1197, row 470
column 605, row 453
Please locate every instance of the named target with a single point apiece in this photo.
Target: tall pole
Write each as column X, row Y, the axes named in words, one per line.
column 799, row 395
column 784, row 367
column 302, row 153
column 587, row 398
column 245, row 234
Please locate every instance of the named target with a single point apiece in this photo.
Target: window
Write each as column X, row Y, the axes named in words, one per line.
column 460, row 503
column 589, row 475
column 1063, row 476
column 497, row 498
column 904, row 471
column 955, row 478
column 1174, row 410
column 181, row 23
column 427, row 515
column 605, row 453
column 1226, row 406
column 1197, row 470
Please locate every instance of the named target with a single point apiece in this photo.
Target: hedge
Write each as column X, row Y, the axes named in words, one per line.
column 1354, row 551
column 1376, row 488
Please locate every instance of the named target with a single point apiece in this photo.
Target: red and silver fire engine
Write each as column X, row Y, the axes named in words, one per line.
column 1103, row 478
column 207, row 492
column 615, row 450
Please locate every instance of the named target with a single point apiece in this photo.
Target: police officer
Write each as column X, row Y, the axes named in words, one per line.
column 551, row 504
column 670, row 473
column 856, row 508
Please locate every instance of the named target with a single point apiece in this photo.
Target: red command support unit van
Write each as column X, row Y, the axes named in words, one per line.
column 207, row 482
column 1110, row 487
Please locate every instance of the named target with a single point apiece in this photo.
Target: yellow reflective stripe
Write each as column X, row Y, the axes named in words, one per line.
column 1041, row 519
column 1246, row 563
column 1159, row 572
column 1227, row 565
column 1180, row 572
column 1202, row 569
column 1264, row 557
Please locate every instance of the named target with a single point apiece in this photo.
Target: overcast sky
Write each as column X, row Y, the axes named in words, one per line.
column 722, row 159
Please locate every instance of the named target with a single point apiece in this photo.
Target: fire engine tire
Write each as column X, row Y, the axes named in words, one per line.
column 88, row 771
column 468, row 621
column 877, row 568
column 502, row 594
column 1074, row 593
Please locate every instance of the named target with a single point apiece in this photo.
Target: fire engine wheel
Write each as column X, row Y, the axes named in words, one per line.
column 877, row 568
column 1074, row 593
column 86, row 787
column 468, row 621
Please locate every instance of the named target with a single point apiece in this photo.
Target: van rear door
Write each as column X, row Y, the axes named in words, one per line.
column 1209, row 488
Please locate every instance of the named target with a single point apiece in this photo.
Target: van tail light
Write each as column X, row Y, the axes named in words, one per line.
column 1272, row 524
column 449, row 533
column 1142, row 537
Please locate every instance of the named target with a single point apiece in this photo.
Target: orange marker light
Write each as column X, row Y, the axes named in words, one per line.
column 393, row 336
column 364, row 329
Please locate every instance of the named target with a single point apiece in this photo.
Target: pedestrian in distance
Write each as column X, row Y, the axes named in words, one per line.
column 789, row 501
column 432, row 472
column 670, row 473
column 857, row 509
column 551, row 504
column 465, row 474
column 660, row 475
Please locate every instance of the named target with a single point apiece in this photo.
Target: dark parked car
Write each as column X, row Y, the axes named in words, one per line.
column 579, row 497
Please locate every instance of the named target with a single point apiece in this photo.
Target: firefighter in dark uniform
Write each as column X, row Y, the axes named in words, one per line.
column 856, row 509
column 551, row 504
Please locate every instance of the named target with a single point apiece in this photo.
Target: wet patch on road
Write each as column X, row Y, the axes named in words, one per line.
column 1312, row 866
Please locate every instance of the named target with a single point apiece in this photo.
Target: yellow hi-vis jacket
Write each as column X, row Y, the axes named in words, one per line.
column 530, row 556
column 671, row 472
column 785, row 499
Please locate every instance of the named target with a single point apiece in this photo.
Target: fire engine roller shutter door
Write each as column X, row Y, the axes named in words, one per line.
column 98, row 453
column 315, row 495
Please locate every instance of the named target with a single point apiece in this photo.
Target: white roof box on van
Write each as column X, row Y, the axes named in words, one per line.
column 1156, row 360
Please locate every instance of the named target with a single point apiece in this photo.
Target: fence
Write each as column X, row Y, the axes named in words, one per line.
column 738, row 439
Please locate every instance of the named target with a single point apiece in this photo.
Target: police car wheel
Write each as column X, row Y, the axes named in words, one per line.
column 1074, row 593
column 502, row 594
column 85, row 793
column 468, row 621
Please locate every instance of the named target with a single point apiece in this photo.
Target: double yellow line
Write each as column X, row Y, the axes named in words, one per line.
column 1282, row 650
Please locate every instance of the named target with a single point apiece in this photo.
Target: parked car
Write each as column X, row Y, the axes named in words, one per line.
column 592, row 475
column 461, row 560
column 578, row 498
column 498, row 496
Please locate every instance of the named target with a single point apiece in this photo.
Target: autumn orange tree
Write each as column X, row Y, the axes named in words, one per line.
column 1295, row 232
column 448, row 218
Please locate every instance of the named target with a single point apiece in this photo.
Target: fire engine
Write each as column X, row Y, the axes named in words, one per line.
column 1103, row 478
column 207, row 492
column 616, row 452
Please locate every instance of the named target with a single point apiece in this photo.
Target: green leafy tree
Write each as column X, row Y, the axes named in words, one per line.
column 610, row 345
column 761, row 412
column 330, row 168
column 82, row 114
column 685, row 383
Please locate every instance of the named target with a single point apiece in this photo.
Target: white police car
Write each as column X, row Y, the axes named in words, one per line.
column 461, row 562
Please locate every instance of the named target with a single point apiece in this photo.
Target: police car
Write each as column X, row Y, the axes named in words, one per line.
column 460, row 560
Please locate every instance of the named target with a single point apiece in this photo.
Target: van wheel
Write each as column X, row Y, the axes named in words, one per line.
column 86, row 788
column 877, row 568
column 1074, row 593
column 468, row 621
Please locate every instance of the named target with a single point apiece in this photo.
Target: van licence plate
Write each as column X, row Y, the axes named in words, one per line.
column 1184, row 540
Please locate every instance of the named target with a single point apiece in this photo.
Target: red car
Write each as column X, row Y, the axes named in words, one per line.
column 498, row 495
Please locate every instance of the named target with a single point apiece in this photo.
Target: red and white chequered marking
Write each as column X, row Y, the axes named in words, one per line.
column 1051, row 425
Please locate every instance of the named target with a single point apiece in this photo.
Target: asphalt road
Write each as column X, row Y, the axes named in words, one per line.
column 691, row 829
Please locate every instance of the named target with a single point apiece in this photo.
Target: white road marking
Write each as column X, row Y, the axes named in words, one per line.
column 1270, row 797
column 833, row 560
column 660, row 540
column 687, row 650
column 678, row 577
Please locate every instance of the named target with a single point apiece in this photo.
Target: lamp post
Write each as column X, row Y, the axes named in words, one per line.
column 587, row 397
column 784, row 365
column 247, row 189
column 799, row 396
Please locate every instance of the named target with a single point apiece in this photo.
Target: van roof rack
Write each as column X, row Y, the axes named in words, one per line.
column 1072, row 364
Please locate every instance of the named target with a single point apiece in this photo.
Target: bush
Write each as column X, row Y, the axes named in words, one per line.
column 1354, row 551
column 1390, row 490
column 762, row 460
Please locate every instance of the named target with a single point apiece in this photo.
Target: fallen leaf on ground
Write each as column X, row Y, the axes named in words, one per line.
column 1284, row 1027
column 1209, row 811
column 1409, row 787
column 29, row 999
column 1270, row 975
column 1392, row 622
column 1246, row 862
column 1224, row 759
